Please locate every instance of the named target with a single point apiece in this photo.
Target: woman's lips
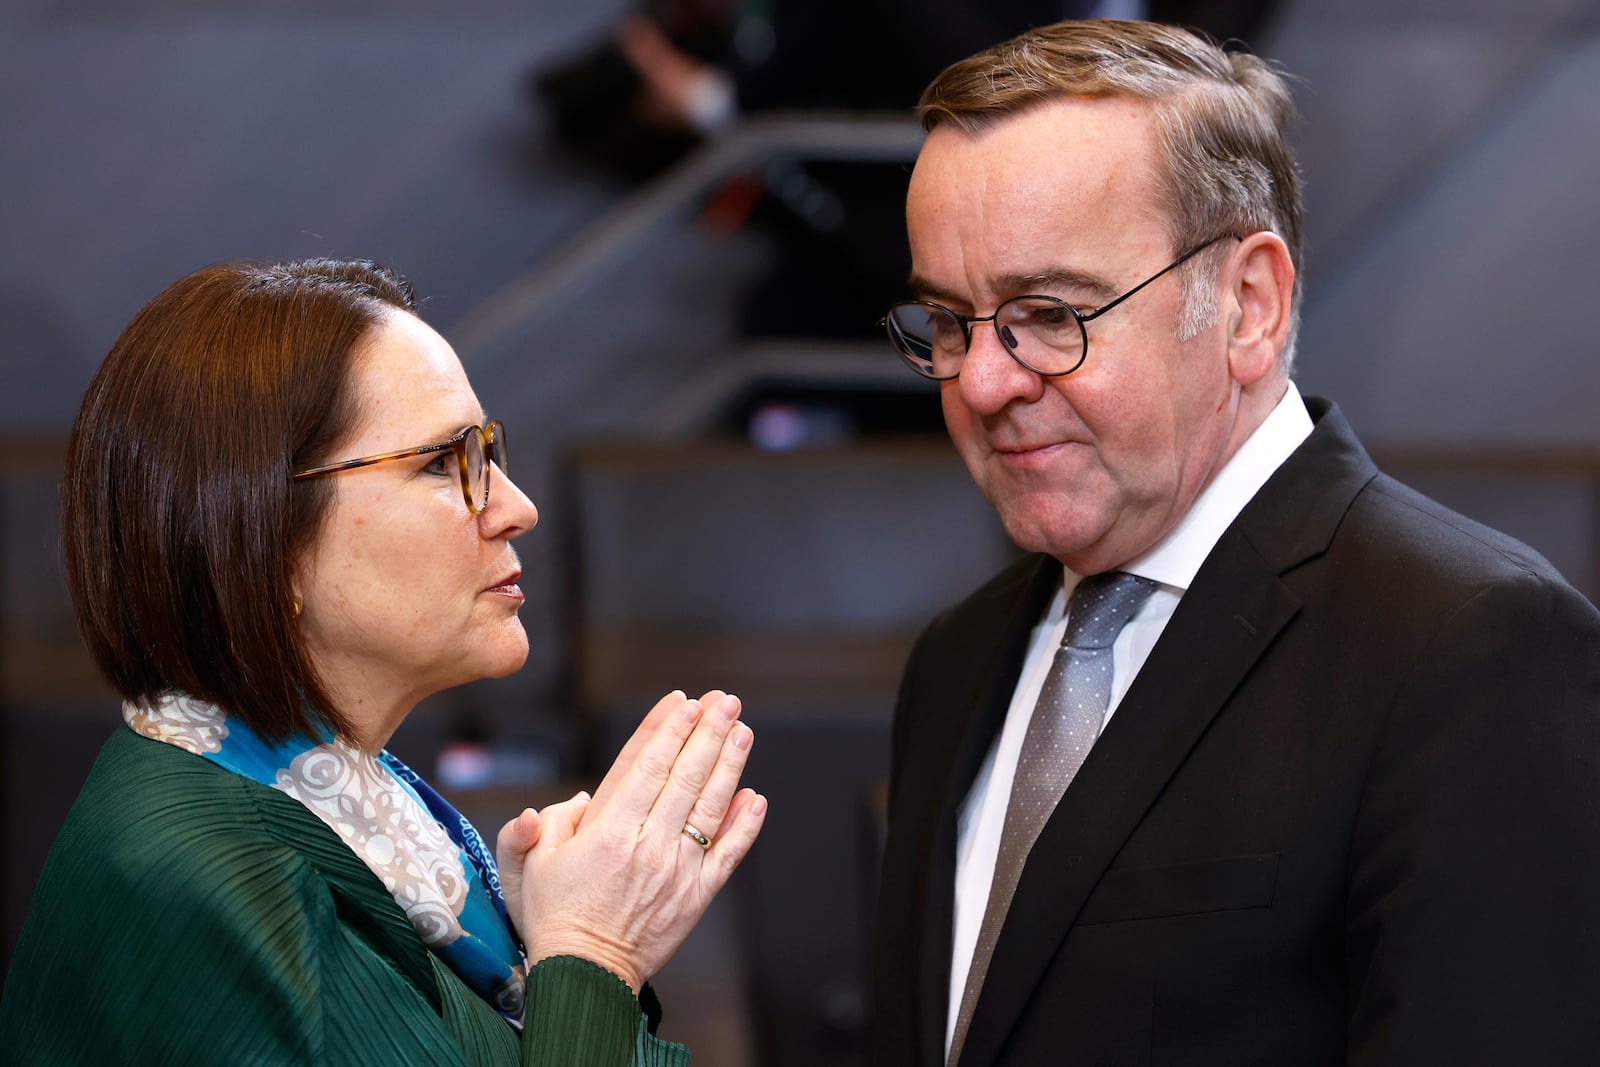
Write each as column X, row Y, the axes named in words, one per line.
column 507, row 588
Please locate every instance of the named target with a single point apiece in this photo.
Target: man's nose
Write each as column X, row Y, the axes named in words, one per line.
column 990, row 378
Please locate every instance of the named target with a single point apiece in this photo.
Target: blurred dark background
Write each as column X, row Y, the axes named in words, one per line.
column 738, row 484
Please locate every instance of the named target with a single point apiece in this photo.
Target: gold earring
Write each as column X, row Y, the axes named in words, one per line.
column 299, row 605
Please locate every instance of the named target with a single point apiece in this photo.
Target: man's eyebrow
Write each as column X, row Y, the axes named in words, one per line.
column 1057, row 280
column 926, row 290
column 1050, row 281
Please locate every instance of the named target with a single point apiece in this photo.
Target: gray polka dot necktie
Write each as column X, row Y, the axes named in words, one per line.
column 1066, row 720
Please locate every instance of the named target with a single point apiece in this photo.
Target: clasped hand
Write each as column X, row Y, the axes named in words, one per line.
column 613, row 878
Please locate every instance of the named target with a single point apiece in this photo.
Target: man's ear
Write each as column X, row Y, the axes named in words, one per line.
column 1258, row 303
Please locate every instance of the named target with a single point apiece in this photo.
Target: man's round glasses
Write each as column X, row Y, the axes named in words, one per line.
column 1045, row 335
column 475, row 448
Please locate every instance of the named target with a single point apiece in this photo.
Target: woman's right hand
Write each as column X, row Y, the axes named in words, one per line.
column 615, row 879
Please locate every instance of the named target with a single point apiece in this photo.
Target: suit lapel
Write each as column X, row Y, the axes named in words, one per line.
column 1229, row 616
column 973, row 696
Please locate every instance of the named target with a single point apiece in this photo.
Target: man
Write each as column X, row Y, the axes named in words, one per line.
column 1341, row 796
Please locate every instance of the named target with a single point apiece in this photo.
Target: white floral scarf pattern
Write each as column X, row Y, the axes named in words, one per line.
column 423, row 851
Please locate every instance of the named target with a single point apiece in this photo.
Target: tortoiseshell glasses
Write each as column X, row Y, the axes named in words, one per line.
column 476, row 448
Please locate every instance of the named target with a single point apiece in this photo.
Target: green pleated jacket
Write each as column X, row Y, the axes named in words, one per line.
column 188, row 915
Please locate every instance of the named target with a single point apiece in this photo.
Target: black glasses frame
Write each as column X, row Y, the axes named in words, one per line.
column 903, row 347
column 491, row 437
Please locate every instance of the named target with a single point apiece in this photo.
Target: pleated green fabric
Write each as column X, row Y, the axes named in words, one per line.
column 559, row 997
column 187, row 915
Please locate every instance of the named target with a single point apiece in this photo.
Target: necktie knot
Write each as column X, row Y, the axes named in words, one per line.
column 1101, row 606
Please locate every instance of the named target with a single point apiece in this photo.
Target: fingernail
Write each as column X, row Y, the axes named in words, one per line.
column 691, row 711
column 729, row 706
column 759, row 807
column 742, row 736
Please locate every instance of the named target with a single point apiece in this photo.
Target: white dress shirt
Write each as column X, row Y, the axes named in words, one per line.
column 1172, row 564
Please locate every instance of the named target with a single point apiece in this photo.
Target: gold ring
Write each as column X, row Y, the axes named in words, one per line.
column 696, row 836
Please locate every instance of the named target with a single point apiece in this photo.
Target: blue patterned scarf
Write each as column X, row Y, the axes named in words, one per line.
column 424, row 851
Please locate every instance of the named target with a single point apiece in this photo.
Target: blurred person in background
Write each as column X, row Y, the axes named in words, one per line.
column 286, row 520
column 675, row 73
column 1257, row 756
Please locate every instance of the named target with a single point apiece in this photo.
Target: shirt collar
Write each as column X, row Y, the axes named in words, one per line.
column 1176, row 558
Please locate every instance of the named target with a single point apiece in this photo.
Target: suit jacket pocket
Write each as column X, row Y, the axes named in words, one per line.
column 1232, row 883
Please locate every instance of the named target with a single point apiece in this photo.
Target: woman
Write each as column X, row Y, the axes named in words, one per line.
column 286, row 521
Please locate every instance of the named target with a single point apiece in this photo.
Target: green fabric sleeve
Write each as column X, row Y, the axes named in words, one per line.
column 582, row 1015
column 188, row 915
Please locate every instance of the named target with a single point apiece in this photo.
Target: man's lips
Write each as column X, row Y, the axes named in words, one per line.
column 1025, row 452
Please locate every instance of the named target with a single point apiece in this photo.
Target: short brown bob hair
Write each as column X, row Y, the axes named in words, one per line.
column 181, row 527
column 1223, row 118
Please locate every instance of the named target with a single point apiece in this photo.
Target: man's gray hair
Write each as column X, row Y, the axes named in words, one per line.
column 1222, row 119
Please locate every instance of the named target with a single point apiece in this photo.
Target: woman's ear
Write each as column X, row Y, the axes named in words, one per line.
column 1259, row 302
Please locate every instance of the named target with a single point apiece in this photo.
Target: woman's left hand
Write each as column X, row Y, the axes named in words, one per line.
column 617, row 880
column 518, row 836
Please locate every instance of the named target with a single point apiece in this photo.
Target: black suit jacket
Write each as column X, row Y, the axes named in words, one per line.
column 1348, row 811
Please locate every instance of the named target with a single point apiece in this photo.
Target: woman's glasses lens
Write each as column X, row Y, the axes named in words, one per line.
column 477, row 480
column 474, row 449
column 496, row 433
column 482, row 447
